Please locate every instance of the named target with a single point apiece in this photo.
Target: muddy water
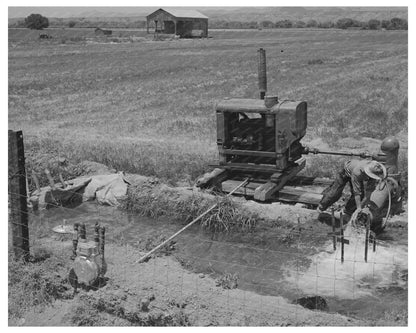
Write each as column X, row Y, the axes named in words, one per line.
column 270, row 261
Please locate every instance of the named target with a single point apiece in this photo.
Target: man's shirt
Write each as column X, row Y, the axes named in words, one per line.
column 355, row 170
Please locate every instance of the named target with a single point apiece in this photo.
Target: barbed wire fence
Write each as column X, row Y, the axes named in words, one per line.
column 249, row 275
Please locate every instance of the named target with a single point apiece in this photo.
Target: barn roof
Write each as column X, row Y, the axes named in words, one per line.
column 182, row 13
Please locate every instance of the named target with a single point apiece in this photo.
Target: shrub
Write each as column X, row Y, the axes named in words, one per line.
column 36, row 21
column 300, row 24
column 374, row 24
column 312, row 24
column 72, row 24
column 346, row 23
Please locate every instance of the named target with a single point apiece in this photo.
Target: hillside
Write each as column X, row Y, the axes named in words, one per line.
column 218, row 13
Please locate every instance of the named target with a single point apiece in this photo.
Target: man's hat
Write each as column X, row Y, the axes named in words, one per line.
column 375, row 170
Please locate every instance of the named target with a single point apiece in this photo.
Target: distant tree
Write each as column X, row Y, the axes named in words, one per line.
column 385, row 24
column 36, row 21
column 374, row 24
column 344, row 23
column 236, row 25
column 300, row 24
column 252, row 25
column 312, row 24
column 326, row 24
column 284, row 24
column 72, row 24
column 267, row 24
column 398, row 24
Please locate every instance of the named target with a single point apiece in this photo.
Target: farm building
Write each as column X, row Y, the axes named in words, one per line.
column 182, row 22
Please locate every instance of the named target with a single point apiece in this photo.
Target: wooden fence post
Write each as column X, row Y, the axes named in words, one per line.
column 18, row 213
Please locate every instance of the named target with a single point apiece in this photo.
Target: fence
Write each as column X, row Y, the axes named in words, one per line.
column 257, row 278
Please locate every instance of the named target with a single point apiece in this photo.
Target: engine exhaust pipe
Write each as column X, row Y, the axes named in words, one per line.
column 262, row 73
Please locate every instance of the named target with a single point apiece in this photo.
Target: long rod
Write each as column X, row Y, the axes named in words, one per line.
column 334, row 237
column 367, row 231
column 188, row 225
column 342, row 237
column 262, row 73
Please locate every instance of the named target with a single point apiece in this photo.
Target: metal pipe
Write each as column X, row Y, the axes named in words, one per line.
column 61, row 179
column 75, row 241
column 334, row 237
column 262, row 73
column 96, row 234
column 50, row 179
column 342, row 236
column 102, row 242
column 82, row 232
column 367, row 230
column 36, row 180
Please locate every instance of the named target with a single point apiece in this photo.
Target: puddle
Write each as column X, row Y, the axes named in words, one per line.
column 267, row 262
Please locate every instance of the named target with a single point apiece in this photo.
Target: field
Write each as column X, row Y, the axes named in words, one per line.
column 148, row 107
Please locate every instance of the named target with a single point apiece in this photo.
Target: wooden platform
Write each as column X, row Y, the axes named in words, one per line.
column 310, row 195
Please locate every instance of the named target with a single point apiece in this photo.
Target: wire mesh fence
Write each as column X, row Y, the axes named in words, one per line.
column 263, row 277
column 201, row 277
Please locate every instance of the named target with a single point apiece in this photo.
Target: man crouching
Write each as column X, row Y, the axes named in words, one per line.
column 354, row 172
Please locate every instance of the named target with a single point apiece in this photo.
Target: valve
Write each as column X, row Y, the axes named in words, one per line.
column 89, row 262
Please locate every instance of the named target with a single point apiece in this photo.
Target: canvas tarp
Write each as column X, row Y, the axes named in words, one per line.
column 106, row 189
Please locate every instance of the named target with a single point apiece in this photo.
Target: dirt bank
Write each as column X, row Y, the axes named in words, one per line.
column 180, row 298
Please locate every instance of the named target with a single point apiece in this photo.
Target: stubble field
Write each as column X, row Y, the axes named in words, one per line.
column 148, row 106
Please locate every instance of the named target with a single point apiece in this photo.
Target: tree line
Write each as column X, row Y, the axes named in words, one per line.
column 37, row 21
column 343, row 23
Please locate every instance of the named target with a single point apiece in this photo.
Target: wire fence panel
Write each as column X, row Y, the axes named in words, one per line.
column 143, row 103
column 202, row 278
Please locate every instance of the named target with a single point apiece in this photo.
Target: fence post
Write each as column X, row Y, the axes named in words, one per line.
column 18, row 214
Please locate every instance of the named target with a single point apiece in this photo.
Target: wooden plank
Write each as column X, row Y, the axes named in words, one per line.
column 289, row 194
column 18, row 213
column 305, row 180
column 278, row 180
column 248, row 167
column 247, row 190
column 212, row 178
column 250, row 153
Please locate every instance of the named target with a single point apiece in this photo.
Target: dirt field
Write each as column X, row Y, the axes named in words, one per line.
column 148, row 107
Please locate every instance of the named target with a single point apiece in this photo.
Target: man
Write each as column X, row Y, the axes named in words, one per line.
column 355, row 172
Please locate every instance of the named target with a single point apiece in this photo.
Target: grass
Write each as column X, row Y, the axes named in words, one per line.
column 149, row 107
column 36, row 283
column 157, row 201
column 110, row 311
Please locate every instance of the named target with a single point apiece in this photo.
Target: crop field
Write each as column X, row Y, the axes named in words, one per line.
column 147, row 106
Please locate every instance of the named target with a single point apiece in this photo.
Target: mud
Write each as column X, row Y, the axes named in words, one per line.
column 289, row 261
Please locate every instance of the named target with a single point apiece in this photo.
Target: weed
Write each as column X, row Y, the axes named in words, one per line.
column 315, row 61
column 93, row 308
column 227, row 281
column 157, row 201
column 36, row 283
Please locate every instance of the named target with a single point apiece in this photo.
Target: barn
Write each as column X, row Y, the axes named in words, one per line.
column 182, row 22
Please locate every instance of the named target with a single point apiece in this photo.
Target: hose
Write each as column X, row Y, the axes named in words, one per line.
column 388, row 210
